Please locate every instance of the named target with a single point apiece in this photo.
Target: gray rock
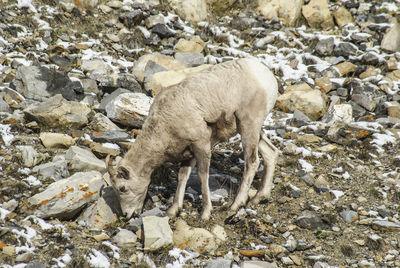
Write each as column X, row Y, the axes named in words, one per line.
column 310, row 220
column 349, row 216
column 130, row 109
column 29, row 155
column 4, row 107
column 83, row 160
column 219, row 263
column 58, row 113
column 384, row 212
column 133, row 18
column 90, row 86
column 99, row 215
column 125, row 238
column 364, row 100
column 151, row 68
column 114, row 81
column 162, row 30
column 190, row 59
column 258, row 264
column 101, row 123
column 321, row 188
column 35, row 265
column 299, row 119
column 57, row 169
column 307, row 178
column 10, row 205
column 110, row 97
column 345, row 49
column 358, row 111
column 96, row 68
column 338, row 112
column 153, row 212
column 112, row 136
column 157, row 232
column 41, row 83
column 371, row 58
column 325, row 46
column 134, row 224
column 385, row 225
column 217, row 182
column 320, row 264
column 65, row 198
column 242, row 22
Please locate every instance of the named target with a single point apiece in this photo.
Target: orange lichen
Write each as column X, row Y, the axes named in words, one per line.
column 2, row 245
column 44, row 202
column 252, row 253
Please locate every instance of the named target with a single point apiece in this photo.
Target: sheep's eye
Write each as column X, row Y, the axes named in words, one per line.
column 123, row 173
column 122, row 189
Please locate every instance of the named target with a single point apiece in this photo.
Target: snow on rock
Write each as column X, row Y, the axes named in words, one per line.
column 97, row 260
column 65, row 198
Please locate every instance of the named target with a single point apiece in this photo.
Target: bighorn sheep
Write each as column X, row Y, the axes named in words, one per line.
column 185, row 122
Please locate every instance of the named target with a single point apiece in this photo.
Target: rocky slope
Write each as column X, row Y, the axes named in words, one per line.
column 76, row 82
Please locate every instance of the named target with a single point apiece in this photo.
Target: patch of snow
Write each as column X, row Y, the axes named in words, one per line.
column 307, row 167
column 381, row 140
column 32, row 181
column 114, row 249
column 391, row 7
column 26, row 3
column 181, row 257
column 97, row 259
column 3, row 213
column 346, row 175
column 111, row 145
column 5, row 132
column 63, row 260
column 42, row 223
column 337, row 193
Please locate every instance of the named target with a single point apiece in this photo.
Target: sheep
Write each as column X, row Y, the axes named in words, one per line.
column 186, row 120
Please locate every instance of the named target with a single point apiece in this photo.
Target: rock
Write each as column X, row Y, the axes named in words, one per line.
column 101, row 123
column 299, row 119
column 191, row 10
column 371, row 71
column 338, row 112
column 157, row 232
column 111, row 82
column 324, row 84
column 196, row 239
column 325, row 46
column 40, row 83
column 346, row 67
column 287, row 11
column 110, row 97
column 96, row 68
column 29, row 155
column 302, row 97
column 65, row 198
column 101, row 237
column 162, row 30
column 219, row 263
column 258, row 264
column 318, row 15
column 154, row 20
column 102, row 150
column 384, row 225
column 195, row 45
column 342, row 16
column 83, row 160
column 394, row 111
column 54, row 140
column 125, row 238
column 162, row 80
column 99, row 215
column 10, row 205
column 115, row 4
column 365, row 100
column 9, row 250
column 112, row 136
column 35, row 265
column 167, row 62
column 310, row 220
column 56, row 112
column 345, row 49
column 384, row 212
column 391, row 40
column 190, row 59
column 349, row 216
column 133, row 18
column 129, row 109
column 371, row 58
column 57, row 169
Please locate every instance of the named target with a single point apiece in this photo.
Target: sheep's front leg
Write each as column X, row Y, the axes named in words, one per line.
column 202, row 153
column 183, row 176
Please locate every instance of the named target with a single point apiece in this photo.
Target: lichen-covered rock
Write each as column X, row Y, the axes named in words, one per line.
column 289, row 11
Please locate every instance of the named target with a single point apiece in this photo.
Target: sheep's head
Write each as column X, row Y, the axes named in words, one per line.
column 131, row 189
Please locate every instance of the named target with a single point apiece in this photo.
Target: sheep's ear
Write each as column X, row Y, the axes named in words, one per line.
column 123, row 172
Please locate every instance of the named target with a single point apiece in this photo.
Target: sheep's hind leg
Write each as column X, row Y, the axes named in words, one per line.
column 250, row 139
column 183, row 176
column 269, row 154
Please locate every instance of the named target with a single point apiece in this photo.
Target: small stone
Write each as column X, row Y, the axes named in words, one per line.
column 371, row 71
column 349, row 216
column 310, row 220
column 384, row 225
column 394, row 111
column 287, row 261
column 219, row 263
column 125, row 238
column 115, row 4
column 342, row 16
column 258, row 264
column 324, row 84
column 318, row 15
column 83, row 160
column 101, row 237
column 346, row 67
column 9, row 250
column 194, row 45
column 391, row 40
column 162, row 30
column 29, row 155
column 297, row 260
column 325, row 46
column 190, row 59
column 56, row 140
column 113, row 37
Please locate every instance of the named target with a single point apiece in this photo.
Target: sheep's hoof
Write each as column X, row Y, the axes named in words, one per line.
column 172, row 211
column 258, row 198
column 205, row 215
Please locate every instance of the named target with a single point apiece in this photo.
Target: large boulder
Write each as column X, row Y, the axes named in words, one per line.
column 157, row 232
column 302, row 97
column 57, row 112
column 130, row 109
column 65, row 198
column 289, row 11
column 318, row 15
column 191, row 10
column 391, row 40
column 83, row 160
